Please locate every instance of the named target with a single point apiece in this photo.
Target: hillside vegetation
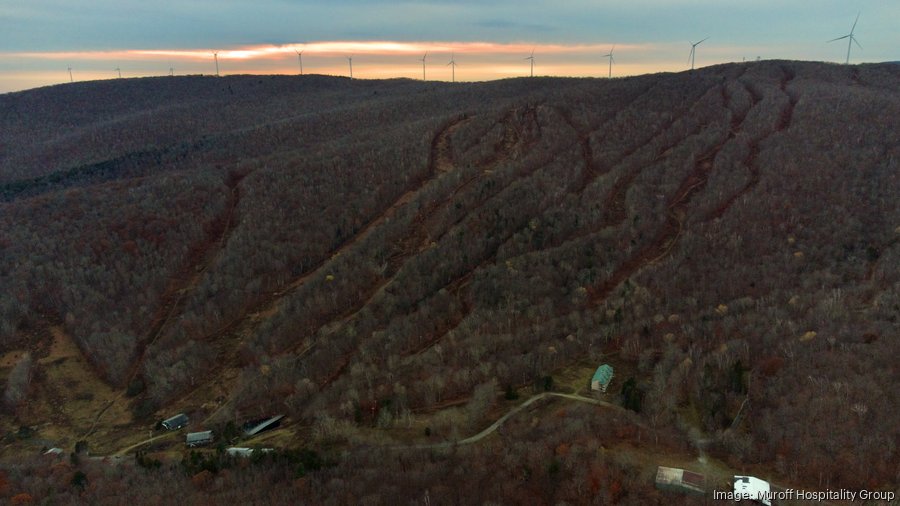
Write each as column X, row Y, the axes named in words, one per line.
column 356, row 253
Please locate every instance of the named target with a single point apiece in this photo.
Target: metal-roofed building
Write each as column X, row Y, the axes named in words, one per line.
column 753, row 489
column 176, row 422
column 198, row 438
column 602, row 378
column 236, row 451
column 264, row 425
column 679, row 480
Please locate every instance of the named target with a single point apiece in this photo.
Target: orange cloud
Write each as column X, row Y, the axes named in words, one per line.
column 329, row 48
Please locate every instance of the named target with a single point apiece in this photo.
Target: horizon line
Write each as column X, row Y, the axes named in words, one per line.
column 339, row 75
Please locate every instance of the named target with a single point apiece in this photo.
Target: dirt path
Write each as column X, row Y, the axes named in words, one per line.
column 123, row 451
column 509, row 414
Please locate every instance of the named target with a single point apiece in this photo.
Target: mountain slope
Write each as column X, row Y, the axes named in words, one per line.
column 361, row 252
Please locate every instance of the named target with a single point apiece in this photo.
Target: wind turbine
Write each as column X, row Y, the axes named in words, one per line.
column 611, row 59
column 694, row 51
column 216, row 57
column 71, row 79
column 452, row 67
column 350, row 60
column 851, row 40
column 119, row 71
column 171, row 71
column 300, row 57
column 423, row 64
column 532, row 61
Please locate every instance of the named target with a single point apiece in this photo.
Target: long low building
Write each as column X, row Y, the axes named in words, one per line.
column 198, row 438
column 236, row 451
column 262, row 425
column 680, row 480
column 176, row 422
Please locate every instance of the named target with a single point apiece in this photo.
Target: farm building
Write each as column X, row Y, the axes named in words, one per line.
column 679, row 480
column 262, row 425
column 754, row 489
column 235, row 451
column 198, row 438
column 176, row 422
column 602, row 378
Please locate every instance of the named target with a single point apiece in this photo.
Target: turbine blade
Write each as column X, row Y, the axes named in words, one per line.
column 854, row 23
column 702, row 41
column 854, row 41
column 839, row 38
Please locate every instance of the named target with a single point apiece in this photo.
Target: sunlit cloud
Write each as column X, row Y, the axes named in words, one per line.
column 330, row 48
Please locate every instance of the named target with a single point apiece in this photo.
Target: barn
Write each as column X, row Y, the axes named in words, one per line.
column 679, row 480
column 236, row 451
column 176, row 422
column 198, row 438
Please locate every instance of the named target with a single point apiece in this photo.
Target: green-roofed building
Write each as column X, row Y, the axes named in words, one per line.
column 602, row 378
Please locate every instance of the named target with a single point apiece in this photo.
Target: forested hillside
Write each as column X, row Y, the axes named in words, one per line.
column 369, row 257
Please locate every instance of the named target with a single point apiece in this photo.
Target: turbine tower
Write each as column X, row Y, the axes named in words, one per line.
column 350, row 60
column 300, row 57
column 423, row 64
column 452, row 67
column 611, row 60
column 851, row 40
column 216, row 57
column 119, row 71
column 532, row 62
column 694, row 51
column 71, row 79
column 171, row 71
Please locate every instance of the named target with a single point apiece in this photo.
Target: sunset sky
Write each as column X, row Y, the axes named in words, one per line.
column 40, row 39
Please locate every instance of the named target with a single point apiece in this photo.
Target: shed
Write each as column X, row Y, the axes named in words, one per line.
column 56, row 452
column 679, row 480
column 176, row 422
column 198, row 438
column 255, row 428
column 602, row 378
column 751, row 488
